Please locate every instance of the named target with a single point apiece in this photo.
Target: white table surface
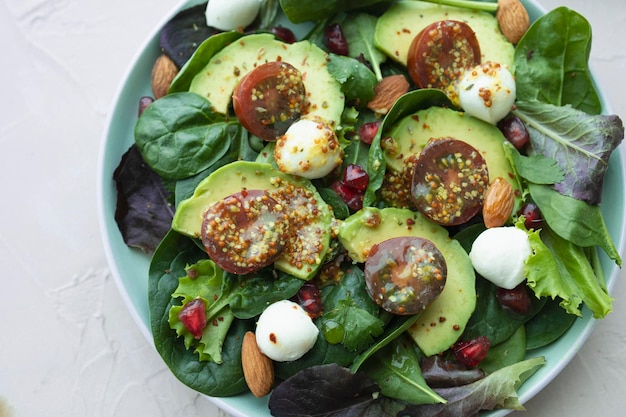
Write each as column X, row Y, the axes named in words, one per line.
column 68, row 345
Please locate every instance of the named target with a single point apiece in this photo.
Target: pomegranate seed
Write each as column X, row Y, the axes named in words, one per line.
column 335, row 40
column 471, row 352
column 350, row 195
column 514, row 130
column 284, row 34
column 368, row 131
column 532, row 216
column 516, row 299
column 356, row 177
column 193, row 317
column 310, row 299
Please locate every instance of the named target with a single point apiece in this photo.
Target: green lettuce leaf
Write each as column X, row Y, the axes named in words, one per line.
column 559, row 268
column 203, row 280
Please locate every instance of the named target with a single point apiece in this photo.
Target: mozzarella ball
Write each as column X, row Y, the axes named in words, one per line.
column 309, row 149
column 285, row 332
column 487, row 92
column 499, row 254
column 231, row 14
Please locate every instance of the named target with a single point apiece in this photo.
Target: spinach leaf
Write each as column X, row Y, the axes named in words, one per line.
column 551, row 65
column 547, row 326
column 298, row 11
column 404, row 106
column 396, row 369
column 241, row 149
column 574, row 220
column 357, row 81
column 560, row 268
column 249, row 295
column 396, row 327
column 330, row 197
column 359, row 32
column 580, row 144
column 180, row 135
column 493, row 320
column 168, row 264
column 507, row 353
column 350, row 315
column 537, row 169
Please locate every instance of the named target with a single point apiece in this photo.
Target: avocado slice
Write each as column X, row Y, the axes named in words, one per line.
column 310, row 216
column 411, row 134
column 217, row 80
column 397, row 27
column 443, row 321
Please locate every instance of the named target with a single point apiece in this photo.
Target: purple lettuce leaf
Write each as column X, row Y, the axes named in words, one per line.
column 143, row 213
column 580, row 143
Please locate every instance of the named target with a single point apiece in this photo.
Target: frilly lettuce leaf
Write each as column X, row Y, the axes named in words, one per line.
column 204, row 281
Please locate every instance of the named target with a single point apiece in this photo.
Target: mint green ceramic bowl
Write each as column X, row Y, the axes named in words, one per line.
column 129, row 267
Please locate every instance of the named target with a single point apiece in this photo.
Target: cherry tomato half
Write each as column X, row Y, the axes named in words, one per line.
column 441, row 52
column 449, row 181
column 405, row 274
column 245, row 231
column 269, row 99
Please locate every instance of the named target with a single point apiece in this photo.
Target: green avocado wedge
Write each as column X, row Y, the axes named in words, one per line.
column 219, row 77
column 443, row 321
column 310, row 238
column 397, row 27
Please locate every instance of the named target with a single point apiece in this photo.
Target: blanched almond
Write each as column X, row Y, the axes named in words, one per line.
column 258, row 369
column 498, row 203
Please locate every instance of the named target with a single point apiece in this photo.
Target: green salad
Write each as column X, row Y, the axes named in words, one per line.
column 368, row 207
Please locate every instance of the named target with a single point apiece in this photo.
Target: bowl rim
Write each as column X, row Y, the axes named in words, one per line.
column 104, row 223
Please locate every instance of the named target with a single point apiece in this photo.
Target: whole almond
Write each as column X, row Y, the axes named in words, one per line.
column 164, row 71
column 513, row 19
column 386, row 92
column 499, row 202
column 258, row 369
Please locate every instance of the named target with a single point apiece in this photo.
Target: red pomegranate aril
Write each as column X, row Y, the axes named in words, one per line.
column 368, row 131
column 335, row 40
column 514, row 130
column 532, row 216
column 310, row 299
column 471, row 352
column 284, row 34
column 350, row 195
column 517, row 299
column 356, row 177
column 193, row 317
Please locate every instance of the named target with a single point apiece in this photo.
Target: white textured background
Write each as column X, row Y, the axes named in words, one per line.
column 68, row 346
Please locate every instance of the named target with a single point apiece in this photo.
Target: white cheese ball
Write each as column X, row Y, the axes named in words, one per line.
column 231, row 14
column 487, row 92
column 499, row 254
column 309, row 149
column 285, row 332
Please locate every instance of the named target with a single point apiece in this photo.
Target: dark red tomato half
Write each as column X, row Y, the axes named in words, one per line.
column 245, row 232
column 441, row 52
column 405, row 274
column 449, row 181
column 269, row 99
